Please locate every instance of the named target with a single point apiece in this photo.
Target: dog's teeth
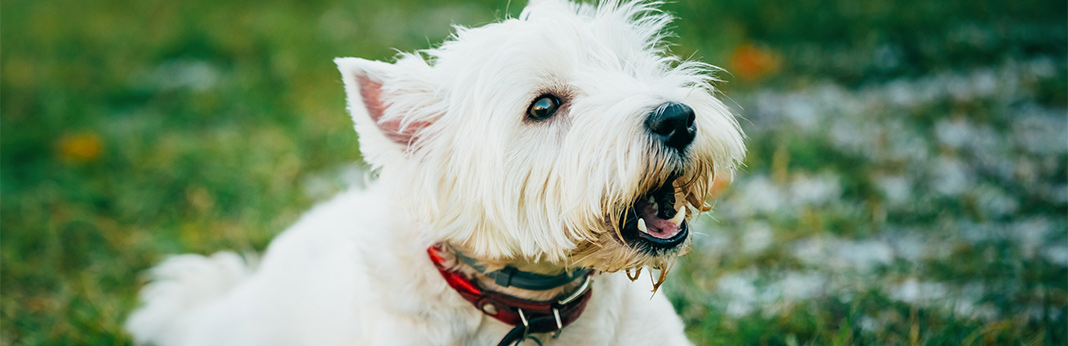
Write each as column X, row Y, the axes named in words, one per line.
column 679, row 216
column 641, row 226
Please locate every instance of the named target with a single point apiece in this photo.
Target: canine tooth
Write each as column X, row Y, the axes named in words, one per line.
column 679, row 216
column 641, row 226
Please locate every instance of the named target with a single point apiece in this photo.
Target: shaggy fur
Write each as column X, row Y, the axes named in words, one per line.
column 458, row 163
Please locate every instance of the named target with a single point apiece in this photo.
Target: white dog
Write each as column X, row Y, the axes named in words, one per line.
column 524, row 169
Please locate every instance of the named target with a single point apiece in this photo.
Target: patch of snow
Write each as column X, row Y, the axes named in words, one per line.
column 754, row 195
column 197, row 75
column 994, row 201
column 1041, row 132
column 864, row 255
column 815, row 190
column 827, row 252
column 896, row 189
column 798, row 286
column 951, row 176
column 1030, row 234
column 1057, row 254
column 739, row 292
column 757, row 237
column 914, row 291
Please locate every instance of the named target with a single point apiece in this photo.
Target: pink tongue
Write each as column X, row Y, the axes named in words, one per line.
column 657, row 227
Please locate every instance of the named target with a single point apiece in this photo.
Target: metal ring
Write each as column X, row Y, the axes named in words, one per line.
column 526, row 326
column 559, row 324
column 523, row 318
column 578, row 293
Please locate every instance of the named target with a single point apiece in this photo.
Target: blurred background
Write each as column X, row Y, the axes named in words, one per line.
column 906, row 184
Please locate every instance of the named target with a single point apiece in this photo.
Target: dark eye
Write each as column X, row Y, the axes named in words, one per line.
column 543, row 107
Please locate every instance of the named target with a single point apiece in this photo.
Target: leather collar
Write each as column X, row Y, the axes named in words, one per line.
column 512, row 277
column 528, row 316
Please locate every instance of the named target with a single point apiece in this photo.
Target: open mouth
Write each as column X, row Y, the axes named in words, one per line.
column 654, row 222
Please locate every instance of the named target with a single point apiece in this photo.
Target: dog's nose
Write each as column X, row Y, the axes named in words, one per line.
column 674, row 124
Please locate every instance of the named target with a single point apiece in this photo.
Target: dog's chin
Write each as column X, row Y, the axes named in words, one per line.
column 655, row 224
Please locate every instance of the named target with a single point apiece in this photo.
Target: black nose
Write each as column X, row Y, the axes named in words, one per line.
column 674, row 124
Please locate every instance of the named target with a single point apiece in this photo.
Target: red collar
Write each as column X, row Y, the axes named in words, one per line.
column 537, row 316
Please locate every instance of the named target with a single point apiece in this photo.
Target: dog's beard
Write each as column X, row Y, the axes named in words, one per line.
column 613, row 246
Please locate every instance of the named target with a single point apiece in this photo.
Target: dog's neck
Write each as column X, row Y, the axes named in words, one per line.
column 478, row 272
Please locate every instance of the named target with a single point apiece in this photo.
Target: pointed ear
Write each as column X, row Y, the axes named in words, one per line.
column 390, row 104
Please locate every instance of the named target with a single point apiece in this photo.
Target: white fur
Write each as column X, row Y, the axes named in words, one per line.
column 477, row 176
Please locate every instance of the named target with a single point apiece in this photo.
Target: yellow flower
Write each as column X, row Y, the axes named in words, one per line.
column 80, row 147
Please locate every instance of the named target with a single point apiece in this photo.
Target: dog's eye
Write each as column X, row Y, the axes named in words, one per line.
column 543, row 107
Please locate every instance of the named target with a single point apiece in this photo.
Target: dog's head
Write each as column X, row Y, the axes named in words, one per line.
column 565, row 136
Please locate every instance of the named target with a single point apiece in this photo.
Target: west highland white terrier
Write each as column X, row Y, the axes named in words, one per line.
column 527, row 171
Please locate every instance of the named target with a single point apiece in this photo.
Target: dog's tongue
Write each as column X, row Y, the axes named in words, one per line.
column 654, row 225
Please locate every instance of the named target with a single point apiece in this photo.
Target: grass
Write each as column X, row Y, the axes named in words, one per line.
column 132, row 130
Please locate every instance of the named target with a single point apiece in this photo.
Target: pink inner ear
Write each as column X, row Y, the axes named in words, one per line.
column 371, row 91
column 372, row 97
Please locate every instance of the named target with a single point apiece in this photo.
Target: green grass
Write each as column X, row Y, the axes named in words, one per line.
column 222, row 161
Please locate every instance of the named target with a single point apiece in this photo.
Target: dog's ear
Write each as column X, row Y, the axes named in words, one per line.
column 390, row 105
